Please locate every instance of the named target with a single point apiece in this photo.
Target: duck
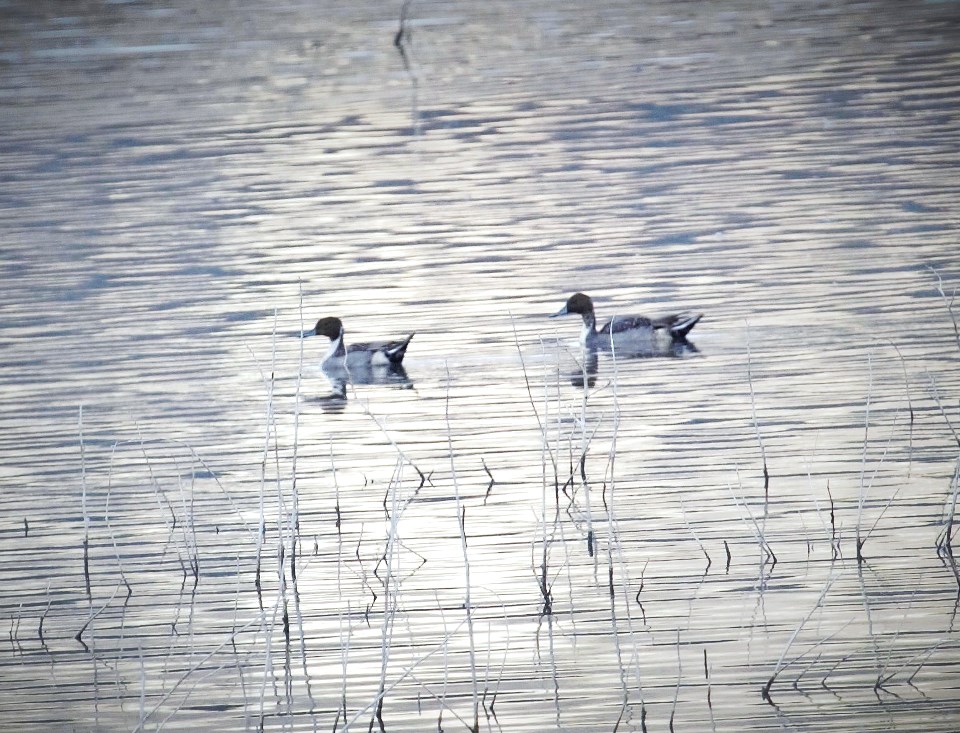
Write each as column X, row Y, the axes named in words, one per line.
column 630, row 331
column 372, row 354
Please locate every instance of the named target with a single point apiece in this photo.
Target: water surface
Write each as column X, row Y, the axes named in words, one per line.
column 186, row 188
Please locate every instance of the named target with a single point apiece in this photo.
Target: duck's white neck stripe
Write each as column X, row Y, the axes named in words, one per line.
column 336, row 348
column 589, row 328
column 585, row 333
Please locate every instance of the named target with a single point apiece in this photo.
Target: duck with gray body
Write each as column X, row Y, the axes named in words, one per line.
column 357, row 356
column 631, row 333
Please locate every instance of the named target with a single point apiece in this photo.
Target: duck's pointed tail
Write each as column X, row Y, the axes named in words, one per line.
column 682, row 325
column 396, row 351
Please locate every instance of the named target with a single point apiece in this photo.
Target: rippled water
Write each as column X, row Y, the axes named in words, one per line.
column 196, row 535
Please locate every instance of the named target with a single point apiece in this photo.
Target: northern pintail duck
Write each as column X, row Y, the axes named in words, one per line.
column 628, row 330
column 374, row 353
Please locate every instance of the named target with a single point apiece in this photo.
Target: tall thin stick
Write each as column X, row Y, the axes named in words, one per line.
column 756, row 425
column 83, row 507
column 461, row 518
column 861, row 500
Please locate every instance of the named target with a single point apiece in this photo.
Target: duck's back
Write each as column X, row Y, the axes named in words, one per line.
column 677, row 326
column 378, row 353
column 623, row 324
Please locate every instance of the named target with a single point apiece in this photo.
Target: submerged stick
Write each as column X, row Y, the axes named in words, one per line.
column 43, row 615
column 490, row 476
column 706, row 676
column 834, row 540
column 683, row 515
column 402, row 39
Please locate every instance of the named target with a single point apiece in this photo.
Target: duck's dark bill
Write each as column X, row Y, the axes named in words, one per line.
column 304, row 334
column 561, row 312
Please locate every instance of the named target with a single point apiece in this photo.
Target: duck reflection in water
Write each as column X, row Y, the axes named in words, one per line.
column 636, row 337
column 375, row 362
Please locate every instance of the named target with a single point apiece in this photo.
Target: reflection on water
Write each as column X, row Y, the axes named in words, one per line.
column 203, row 527
column 586, row 363
column 365, row 374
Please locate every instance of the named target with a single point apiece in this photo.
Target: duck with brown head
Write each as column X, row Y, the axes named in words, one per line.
column 628, row 331
column 373, row 353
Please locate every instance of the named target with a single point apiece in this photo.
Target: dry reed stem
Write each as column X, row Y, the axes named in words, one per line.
column 201, row 664
column 389, row 590
column 816, row 645
column 405, row 673
column 43, row 616
column 876, row 470
column 906, row 386
column 93, row 614
column 676, row 691
column 765, row 691
column 424, row 478
column 584, row 446
column 294, row 491
column 461, row 519
column 882, row 679
column 863, row 462
column 615, row 548
column 945, row 539
column 757, row 531
column 189, row 528
column 109, row 526
column 533, row 405
column 686, row 523
column 816, row 503
column 83, row 507
column 262, row 522
column 949, row 303
column 544, row 586
column 756, row 425
column 867, row 485
column 344, row 664
column 924, row 655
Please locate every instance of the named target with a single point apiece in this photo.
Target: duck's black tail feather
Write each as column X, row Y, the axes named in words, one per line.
column 395, row 351
column 683, row 324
